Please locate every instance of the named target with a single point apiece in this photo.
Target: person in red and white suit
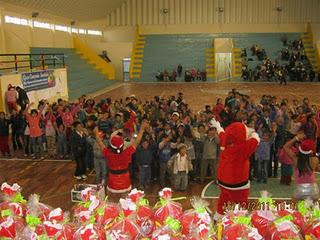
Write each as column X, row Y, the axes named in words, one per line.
column 238, row 142
column 118, row 160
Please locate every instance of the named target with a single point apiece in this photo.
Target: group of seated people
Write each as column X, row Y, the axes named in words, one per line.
column 297, row 69
column 195, row 75
column 189, row 75
column 167, row 76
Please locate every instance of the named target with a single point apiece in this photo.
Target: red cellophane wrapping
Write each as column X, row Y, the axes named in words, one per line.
column 196, row 221
column 261, row 220
column 10, row 227
column 298, row 219
column 89, row 232
column 126, row 222
column 171, row 230
column 57, row 226
column 240, row 231
column 166, row 207
column 283, row 230
column 144, row 212
column 13, row 204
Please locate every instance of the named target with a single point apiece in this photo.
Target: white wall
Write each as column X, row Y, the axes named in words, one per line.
column 148, row 12
column 52, row 94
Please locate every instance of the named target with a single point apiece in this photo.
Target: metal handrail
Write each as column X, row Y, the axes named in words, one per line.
column 41, row 58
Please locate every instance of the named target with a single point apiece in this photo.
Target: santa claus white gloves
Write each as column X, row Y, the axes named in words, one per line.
column 214, row 123
column 255, row 136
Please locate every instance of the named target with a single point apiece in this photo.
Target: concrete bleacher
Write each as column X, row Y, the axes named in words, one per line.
column 269, row 41
column 165, row 52
column 83, row 78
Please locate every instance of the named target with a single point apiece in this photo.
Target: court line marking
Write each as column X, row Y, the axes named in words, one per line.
column 251, row 198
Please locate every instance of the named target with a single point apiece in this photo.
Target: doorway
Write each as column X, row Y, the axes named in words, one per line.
column 223, row 58
column 126, row 69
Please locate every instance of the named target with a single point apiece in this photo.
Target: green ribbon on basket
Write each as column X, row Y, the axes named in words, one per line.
column 143, row 202
column 100, row 212
column 173, row 224
column 43, row 237
column 164, row 201
column 283, row 219
column 201, row 210
column 6, row 213
column 18, row 198
column 302, row 208
column 92, row 219
column 243, row 220
column 32, row 220
column 316, row 213
column 85, row 204
column 267, row 201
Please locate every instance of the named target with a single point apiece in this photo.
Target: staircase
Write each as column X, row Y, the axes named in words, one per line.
column 210, row 63
column 236, row 64
column 310, row 50
column 83, row 77
column 137, row 56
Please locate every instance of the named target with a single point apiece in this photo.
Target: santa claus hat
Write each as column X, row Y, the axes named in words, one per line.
column 307, row 146
column 116, row 142
column 235, row 133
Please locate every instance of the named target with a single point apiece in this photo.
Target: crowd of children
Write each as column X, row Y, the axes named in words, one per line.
column 177, row 146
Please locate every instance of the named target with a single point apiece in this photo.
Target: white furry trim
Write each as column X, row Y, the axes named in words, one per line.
column 304, row 152
column 119, row 191
column 115, row 146
column 238, row 188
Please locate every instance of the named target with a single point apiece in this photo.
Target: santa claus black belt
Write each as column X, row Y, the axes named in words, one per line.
column 237, row 185
column 122, row 171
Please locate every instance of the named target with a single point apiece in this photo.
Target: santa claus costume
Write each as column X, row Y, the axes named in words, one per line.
column 118, row 161
column 237, row 144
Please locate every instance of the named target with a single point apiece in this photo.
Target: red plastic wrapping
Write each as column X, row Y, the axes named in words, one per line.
column 89, row 232
column 261, row 220
column 283, row 230
column 144, row 212
column 10, row 227
column 313, row 229
column 167, row 207
column 240, row 231
column 127, row 226
column 196, row 221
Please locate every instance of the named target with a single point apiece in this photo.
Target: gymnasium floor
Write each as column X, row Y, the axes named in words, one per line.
column 54, row 180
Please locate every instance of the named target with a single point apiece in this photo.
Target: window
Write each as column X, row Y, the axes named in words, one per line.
column 41, row 25
column 95, row 32
column 82, row 31
column 74, row 30
column 15, row 20
column 61, row 28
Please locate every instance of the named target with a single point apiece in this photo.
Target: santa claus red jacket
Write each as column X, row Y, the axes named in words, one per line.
column 236, row 148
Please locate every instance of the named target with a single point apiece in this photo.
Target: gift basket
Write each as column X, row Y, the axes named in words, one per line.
column 167, row 207
column 144, row 212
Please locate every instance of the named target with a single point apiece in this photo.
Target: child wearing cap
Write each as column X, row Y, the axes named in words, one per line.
column 180, row 165
column 305, row 165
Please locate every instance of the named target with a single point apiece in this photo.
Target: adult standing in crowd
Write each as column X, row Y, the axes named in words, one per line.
column 23, row 98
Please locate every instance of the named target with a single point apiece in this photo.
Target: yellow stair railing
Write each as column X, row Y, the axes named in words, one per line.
column 137, row 55
column 236, row 62
column 105, row 68
column 210, row 62
column 311, row 50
